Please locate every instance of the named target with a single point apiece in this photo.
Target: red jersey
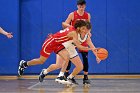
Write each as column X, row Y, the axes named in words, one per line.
column 79, row 17
column 61, row 36
column 54, row 42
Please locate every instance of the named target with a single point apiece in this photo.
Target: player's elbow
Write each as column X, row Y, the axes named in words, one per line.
column 63, row 24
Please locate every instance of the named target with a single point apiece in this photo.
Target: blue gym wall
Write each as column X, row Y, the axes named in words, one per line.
column 9, row 48
column 115, row 27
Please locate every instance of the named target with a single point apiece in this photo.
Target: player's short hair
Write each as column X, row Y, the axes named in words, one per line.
column 81, row 2
column 80, row 23
column 89, row 26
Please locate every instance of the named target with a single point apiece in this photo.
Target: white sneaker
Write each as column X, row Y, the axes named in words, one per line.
column 62, row 80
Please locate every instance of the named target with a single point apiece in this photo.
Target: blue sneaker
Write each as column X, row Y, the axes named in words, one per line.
column 42, row 76
column 72, row 81
column 86, row 81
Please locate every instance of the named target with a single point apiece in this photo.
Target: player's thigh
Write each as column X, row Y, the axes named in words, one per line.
column 59, row 60
column 72, row 52
column 64, row 54
column 42, row 58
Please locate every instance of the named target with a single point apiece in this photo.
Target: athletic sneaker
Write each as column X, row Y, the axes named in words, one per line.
column 72, row 81
column 42, row 76
column 86, row 81
column 62, row 80
column 21, row 67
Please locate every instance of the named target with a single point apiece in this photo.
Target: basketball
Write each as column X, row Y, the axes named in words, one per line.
column 102, row 53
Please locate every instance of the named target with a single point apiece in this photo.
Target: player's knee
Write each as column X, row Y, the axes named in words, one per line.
column 66, row 60
column 80, row 67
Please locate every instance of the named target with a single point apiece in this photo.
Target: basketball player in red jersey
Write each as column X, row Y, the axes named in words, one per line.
column 74, row 58
column 79, row 14
column 53, row 43
column 9, row 35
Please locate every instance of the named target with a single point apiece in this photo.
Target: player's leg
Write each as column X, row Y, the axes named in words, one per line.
column 55, row 66
column 44, row 54
column 25, row 64
column 52, row 67
column 86, row 66
column 65, row 56
column 78, row 67
column 68, row 69
column 75, row 59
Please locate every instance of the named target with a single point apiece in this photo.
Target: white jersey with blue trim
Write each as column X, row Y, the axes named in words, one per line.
column 84, row 39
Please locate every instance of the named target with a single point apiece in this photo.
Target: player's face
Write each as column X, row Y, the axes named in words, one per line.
column 84, row 30
column 81, row 7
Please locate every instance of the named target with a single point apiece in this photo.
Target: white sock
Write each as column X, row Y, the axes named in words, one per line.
column 70, row 76
column 61, row 74
column 45, row 71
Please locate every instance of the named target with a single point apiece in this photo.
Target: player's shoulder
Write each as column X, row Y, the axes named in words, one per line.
column 71, row 33
column 71, row 28
column 72, row 13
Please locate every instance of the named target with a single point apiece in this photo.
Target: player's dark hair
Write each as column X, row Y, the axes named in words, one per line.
column 81, row 2
column 89, row 26
column 79, row 23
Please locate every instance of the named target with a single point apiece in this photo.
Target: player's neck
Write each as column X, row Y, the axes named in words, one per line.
column 80, row 12
column 82, row 35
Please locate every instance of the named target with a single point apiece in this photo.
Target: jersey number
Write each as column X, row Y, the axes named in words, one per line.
column 62, row 31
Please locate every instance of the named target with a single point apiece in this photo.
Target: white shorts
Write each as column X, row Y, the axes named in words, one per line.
column 70, row 48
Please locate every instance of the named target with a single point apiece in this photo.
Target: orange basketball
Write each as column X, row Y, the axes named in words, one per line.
column 102, row 53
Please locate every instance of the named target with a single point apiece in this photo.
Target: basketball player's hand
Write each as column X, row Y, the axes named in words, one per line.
column 95, row 52
column 9, row 35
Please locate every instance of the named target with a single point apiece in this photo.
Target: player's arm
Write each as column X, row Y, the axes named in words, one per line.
column 93, row 48
column 3, row 32
column 67, row 21
column 9, row 35
column 91, row 45
column 89, row 17
column 73, row 35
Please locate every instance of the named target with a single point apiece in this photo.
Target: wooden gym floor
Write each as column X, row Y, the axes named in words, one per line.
column 99, row 84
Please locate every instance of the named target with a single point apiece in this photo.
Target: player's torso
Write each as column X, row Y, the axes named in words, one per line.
column 79, row 17
column 69, row 44
column 61, row 36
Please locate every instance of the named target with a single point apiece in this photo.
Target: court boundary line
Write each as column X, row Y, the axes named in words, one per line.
column 31, row 87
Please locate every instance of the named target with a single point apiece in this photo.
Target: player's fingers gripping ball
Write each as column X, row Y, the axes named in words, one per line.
column 102, row 53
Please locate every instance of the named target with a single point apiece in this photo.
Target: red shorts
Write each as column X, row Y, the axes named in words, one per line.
column 50, row 46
